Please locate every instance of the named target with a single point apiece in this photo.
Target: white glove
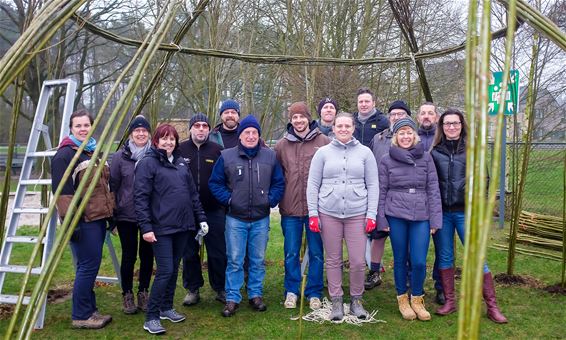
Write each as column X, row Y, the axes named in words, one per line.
column 202, row 232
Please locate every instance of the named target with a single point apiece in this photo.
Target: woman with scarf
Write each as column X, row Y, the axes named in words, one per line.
column 90, row 232
column 410, row 210
column 122, row 184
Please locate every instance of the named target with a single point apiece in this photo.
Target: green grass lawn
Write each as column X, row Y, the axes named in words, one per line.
column 533, row 313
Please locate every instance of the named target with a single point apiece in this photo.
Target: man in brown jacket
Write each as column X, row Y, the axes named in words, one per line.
column 295, row 152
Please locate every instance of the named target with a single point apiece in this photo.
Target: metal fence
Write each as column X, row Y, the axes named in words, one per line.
column 544, row 188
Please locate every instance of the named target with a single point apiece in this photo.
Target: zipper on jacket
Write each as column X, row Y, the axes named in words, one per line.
column 198, row 169
column 450, row 168
column 250, row 196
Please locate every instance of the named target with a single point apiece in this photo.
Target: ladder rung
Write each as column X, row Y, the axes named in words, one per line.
column 30, row 210
column 36, row 182
column 42, row 153
column 12, row 299
column 19, row 269
column 107, row 279
column 23, row 239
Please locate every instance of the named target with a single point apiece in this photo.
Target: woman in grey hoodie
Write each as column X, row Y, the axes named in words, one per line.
column 410, row 209
column 342, row 195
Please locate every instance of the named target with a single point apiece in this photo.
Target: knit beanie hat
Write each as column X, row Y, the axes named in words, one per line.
column 399, row 104
column 404, row 122
column 300, row 108
column 199, row 117
column 325, row 101
column 229, row 104
column 247, row 122
column 139, row 121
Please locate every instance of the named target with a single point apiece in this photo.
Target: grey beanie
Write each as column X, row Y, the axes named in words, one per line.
column 404, row 122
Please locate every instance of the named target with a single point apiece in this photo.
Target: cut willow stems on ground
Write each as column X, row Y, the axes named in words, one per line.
column 478, row 209
column 41, row 287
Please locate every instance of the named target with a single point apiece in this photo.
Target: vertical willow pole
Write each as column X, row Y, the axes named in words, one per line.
column 564, row 226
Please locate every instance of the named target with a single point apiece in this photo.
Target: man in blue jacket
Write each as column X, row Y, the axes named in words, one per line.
column 248, row 180
column 369, row 120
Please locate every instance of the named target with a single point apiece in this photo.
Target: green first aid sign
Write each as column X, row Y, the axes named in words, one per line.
column 511, row 102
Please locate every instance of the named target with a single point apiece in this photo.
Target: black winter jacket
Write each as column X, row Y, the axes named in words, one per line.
column 201, row 161
column 450, row 161
column 366, row 131
column 165, row 195
column 122, row 184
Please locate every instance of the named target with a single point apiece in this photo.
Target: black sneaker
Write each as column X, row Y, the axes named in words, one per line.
column 220, row 296
column 257, row 304
column 440, row 298
column 229, row 309
column 373, row 279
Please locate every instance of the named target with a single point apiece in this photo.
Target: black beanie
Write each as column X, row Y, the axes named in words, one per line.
column 199, row 117
column 399, row 104
column 139, row 121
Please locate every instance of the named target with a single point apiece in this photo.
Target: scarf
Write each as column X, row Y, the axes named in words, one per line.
column 90, row 145
column 137, row 151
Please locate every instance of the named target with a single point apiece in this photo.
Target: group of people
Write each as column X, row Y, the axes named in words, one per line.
column 345, row 177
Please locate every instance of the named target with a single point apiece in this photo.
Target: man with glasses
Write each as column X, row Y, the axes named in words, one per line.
column 201, row 154
column 380, row 146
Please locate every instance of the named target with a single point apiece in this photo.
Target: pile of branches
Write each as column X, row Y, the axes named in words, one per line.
column 542, row 231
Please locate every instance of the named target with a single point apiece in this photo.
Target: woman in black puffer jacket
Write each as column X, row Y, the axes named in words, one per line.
column 167, row 207
column 449, row 154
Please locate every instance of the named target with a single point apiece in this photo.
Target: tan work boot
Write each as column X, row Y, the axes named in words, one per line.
column 417, row 303
column 93, row 322
column 405, row 308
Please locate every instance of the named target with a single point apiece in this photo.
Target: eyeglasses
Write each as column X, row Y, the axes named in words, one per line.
column 454, row 124
column 200, row 126
column 397, row 114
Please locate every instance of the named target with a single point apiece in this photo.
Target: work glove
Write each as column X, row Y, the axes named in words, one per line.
column 314, row 224
column 371, row 224
column 202, row 232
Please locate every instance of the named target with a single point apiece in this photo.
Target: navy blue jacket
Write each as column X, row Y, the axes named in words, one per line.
column 165, row 195
column 248, row 182
column 450, row 161
column 366, row 131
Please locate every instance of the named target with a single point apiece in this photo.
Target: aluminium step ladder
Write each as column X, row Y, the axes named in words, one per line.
column 39, row 129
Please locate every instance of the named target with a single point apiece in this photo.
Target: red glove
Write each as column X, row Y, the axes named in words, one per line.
column 314, row 224
column 371, row 224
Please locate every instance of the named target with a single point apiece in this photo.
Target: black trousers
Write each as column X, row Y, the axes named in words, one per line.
column 216, row 254
column 130, row 238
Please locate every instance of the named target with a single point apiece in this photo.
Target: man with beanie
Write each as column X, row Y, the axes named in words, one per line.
column 201, row 155
column 327, row 109
column 380, row 146
column 369, row 121
column 248, row 180
column 427, row 118
column 295, row 152
column 226, row 133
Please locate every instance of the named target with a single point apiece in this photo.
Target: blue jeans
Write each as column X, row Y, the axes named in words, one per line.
column 87, row 250
column 409, row 239
column 292, row 227
column 444, row 238
column 168, row 251
column 238, row 235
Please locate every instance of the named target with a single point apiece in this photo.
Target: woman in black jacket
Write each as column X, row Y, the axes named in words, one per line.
column 122, row 184
column 449, row 154
column 167, row 207
column 90, row 232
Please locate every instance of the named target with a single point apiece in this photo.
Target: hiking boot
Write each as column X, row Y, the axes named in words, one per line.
column 105, row 317
column 220, row 296
column 314, row 303
column 257, row 304
column 192, row 298
column 405, row 308
column 154, row 327
column 230, row 309
column 93, row 322
column 440, row 298
column 356, row 308
column 143, row 299
column 290, row 301
column 337, row 313
column 373, row 279
column 417, row 303
column 172, row 315
column 128, row 304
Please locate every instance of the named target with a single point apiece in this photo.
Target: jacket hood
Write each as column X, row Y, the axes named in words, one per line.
column 451, row 146
column 313, row 132
column 161, row 154
column 407, row 156
column 67, row 142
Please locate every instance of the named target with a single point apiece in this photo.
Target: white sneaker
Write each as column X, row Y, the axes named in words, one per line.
column 291, row 301
column 315, row 303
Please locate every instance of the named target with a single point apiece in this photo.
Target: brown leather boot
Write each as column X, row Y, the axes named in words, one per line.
column 447, row 278
column 418, row 305
column 493, row 312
